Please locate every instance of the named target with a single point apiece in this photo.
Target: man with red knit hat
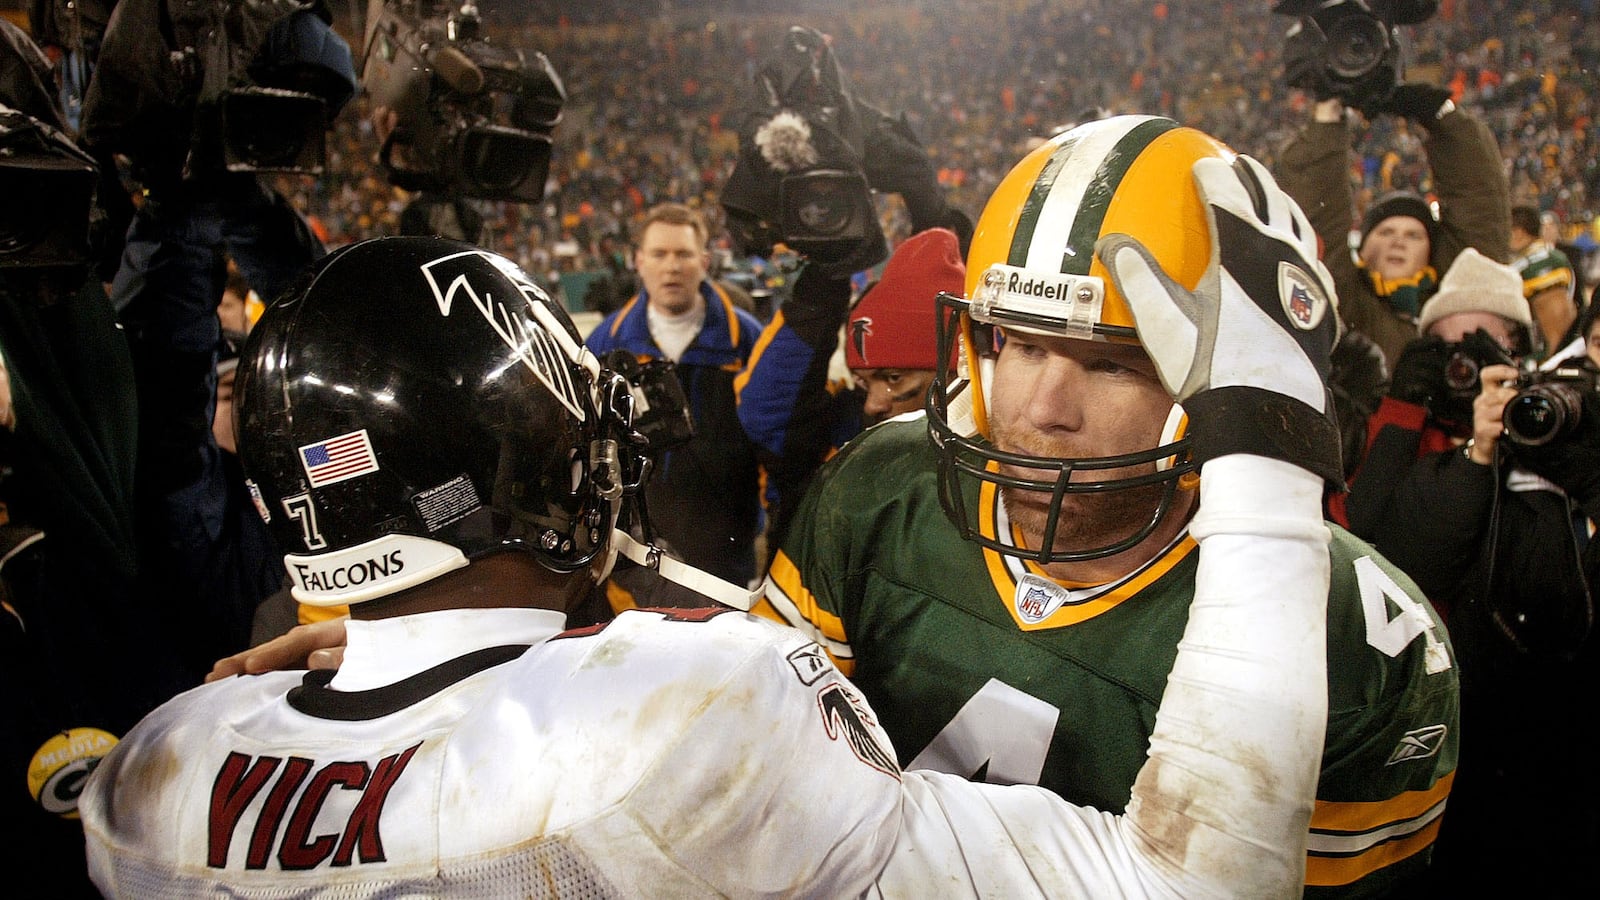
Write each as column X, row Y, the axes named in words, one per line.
column 790, row 406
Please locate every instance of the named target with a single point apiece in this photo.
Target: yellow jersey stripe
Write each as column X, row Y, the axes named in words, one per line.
column 1326, row 871
column 310, row 615
column 1366, row 816
column 785, row 589
column 619, row 598
column 1349, row 841
column 1549, row 279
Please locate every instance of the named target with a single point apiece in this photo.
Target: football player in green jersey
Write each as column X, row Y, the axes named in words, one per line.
column 1007, row 580
column 1548, row 280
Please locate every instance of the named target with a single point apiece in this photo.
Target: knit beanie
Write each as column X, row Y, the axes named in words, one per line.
column 893, row 325
column 1476, row 283
column 1401, row 203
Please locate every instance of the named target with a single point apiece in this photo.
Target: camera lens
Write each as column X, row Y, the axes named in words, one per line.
column 1461, row 372
column 1356, row 44
column 825, row 205
column 504, row 163
column 1541, row 413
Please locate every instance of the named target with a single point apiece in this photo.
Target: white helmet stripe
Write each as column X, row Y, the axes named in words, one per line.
column 1092, row 161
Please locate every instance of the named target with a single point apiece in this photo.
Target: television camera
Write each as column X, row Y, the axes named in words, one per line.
column 470, row 118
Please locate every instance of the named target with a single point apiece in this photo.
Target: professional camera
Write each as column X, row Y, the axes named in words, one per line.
column 1549, row 404
column 1349, row 49
column 187, row 89
column 1464, row 361
column 805, row 137
column 49, row 187
column 472, row 119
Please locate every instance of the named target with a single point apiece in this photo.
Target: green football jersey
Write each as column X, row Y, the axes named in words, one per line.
column 1543, row 266
column 981, row 664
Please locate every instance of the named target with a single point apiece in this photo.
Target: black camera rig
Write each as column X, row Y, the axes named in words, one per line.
column 1549, row 403
column 471, row 118
column 189, row 88
column 1349, row 49
column 49, row 186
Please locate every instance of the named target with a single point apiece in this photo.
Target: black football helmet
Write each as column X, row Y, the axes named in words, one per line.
column 419, row 403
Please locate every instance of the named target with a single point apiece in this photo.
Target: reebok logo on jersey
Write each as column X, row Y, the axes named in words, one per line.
column 1419, row 743
column 809, row 663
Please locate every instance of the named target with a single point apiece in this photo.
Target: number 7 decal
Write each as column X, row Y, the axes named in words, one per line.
column 300, row 508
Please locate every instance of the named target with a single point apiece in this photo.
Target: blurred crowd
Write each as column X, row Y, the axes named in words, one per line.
column 650, row 92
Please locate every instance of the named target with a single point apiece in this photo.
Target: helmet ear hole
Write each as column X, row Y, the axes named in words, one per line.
column 423, row 398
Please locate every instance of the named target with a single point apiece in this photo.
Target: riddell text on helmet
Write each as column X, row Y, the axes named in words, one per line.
column 1037, row 287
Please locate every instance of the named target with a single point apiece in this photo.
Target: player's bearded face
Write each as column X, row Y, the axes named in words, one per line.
column 1071, row 399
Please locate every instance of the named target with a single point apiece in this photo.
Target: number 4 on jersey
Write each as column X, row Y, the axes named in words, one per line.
column 1000, row 728
column 1391, row 636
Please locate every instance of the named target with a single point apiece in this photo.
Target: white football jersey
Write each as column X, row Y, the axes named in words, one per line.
column 688, row 753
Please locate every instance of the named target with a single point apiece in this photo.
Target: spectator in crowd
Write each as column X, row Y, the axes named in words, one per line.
column 705, row 495
column 1021, row 633
column 503, row 755
column 1493, row 528
column 1403, row 245
column 789, row 404
column 1548, row 281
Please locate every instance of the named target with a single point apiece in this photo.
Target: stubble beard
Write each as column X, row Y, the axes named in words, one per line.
column 1086, row 520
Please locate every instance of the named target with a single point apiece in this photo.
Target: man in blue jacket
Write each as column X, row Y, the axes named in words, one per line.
column 704, row 498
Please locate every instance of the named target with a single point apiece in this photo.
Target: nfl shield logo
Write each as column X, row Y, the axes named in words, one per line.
column 1033, row 603
column 1300, row 305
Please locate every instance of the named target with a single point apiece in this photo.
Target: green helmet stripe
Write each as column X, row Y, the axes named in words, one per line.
column 1090, row 213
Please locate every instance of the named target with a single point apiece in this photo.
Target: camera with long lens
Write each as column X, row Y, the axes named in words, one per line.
column 49, row 187
column 1549, row 404
column 1349, row 49
column 472, row 118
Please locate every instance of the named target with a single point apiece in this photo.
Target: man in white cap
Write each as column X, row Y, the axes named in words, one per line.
column 1480, row 488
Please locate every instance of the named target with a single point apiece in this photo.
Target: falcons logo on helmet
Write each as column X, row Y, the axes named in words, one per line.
column 514, row 316
column 843, row 716
column 859, row 329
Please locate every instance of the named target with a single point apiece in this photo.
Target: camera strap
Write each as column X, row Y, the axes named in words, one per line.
column 684, row 575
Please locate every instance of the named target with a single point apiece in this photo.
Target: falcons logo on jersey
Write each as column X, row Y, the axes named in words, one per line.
column 843, row 716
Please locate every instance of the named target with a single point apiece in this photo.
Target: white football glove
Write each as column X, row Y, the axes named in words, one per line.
column 1246, row 352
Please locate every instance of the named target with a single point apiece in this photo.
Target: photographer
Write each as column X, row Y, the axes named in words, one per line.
column 1403, row 247
column 1492, row 529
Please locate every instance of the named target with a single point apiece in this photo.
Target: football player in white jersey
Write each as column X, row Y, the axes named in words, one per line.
column 434, row 447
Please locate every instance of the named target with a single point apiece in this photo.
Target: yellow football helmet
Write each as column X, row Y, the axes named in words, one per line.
column 1032, row 268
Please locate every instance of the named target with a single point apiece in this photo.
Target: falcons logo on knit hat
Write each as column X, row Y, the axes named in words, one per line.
column 859, row 330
